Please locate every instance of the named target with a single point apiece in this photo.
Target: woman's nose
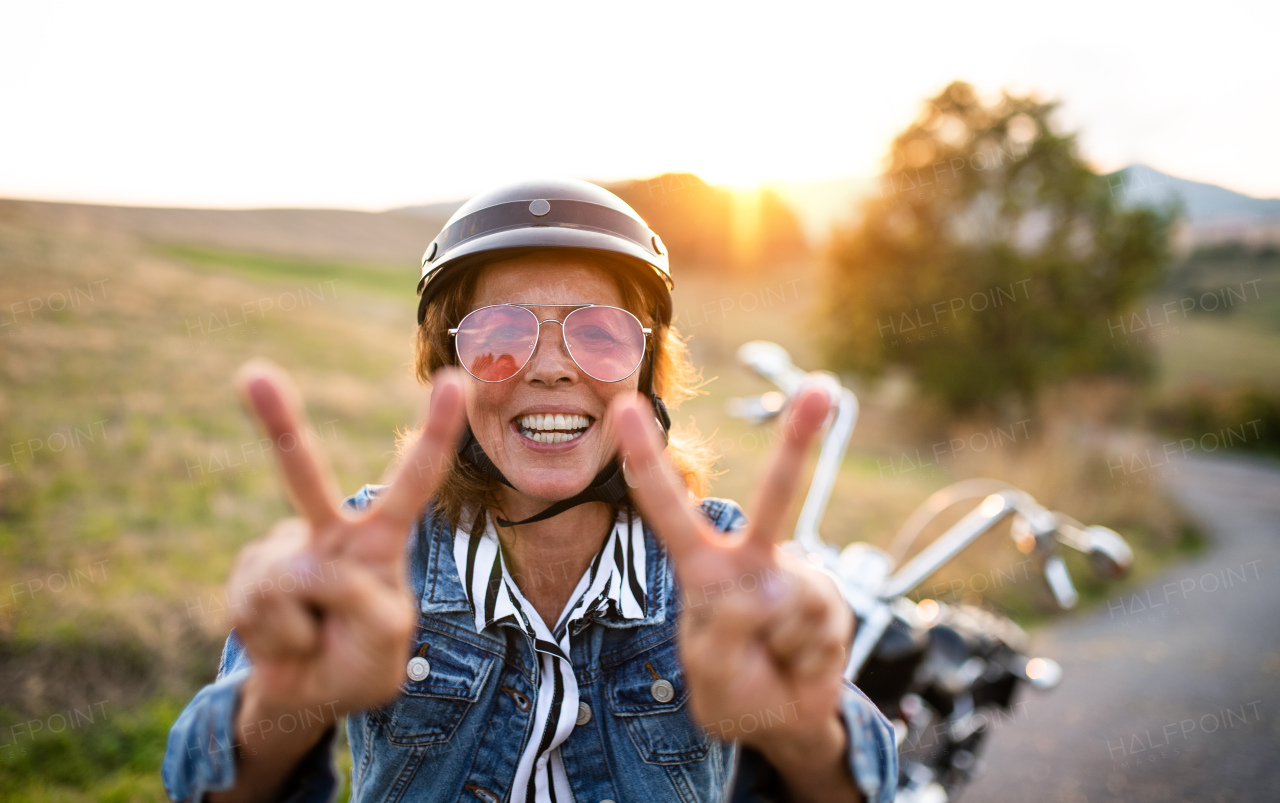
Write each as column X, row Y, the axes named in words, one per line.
column 551, row 363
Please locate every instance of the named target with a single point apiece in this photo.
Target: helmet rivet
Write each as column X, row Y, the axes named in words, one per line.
column 657, row 244
column 539, row 208
column 431, row 253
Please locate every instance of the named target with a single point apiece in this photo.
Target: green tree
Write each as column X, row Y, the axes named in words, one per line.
column 993, row 259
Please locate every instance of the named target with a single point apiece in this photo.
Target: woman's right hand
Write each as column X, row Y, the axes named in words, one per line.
column 322, row 602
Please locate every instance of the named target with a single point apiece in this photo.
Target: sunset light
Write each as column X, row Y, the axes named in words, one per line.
column 300, row 104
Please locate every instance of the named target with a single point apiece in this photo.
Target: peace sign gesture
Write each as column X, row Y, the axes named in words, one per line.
column 764, row 635
column 322, row 603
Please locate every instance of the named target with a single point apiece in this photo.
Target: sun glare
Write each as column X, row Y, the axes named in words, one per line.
column 740, row 175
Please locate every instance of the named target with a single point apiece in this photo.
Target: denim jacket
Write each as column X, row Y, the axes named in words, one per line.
column 455, row 735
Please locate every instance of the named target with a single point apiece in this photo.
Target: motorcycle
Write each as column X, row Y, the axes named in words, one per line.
column 942, row 673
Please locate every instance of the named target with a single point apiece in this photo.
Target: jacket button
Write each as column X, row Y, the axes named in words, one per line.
column 584, row 713
column 662, row 691
column 418, row 668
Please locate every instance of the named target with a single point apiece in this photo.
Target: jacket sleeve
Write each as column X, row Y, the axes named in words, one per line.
column 871, row 755
column 201, row 755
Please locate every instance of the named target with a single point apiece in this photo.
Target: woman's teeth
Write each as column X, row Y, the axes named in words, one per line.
column 553, row 427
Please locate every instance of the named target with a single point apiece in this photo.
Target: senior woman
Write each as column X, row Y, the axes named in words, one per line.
column 536, row 606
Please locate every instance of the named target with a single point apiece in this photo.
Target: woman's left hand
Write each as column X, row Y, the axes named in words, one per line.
column 764, row 636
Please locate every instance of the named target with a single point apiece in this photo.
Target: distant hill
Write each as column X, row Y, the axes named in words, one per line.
column 443, row 209
column 1211, row 213
column 379, row 237
column 1203, row 203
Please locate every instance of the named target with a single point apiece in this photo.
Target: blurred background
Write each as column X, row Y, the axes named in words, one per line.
column 1042, row 243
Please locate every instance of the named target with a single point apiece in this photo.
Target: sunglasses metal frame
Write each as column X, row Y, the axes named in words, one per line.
column 453, row 332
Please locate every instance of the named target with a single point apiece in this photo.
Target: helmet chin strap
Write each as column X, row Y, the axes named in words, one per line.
column 609, row 486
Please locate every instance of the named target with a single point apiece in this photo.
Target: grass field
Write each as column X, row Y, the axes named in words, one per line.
column 1217, row 320
column 128, row 467
column 1218, row 352
column 130, row 477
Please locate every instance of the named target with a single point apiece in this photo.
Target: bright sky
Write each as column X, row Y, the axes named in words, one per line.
column 374, row 105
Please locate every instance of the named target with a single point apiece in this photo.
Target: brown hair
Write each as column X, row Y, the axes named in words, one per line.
column 675, row 380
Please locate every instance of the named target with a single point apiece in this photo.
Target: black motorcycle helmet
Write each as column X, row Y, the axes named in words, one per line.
column 549, row 213
column 545, row 213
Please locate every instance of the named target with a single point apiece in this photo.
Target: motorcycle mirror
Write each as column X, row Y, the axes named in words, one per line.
column 1109, row 554
column 772, row 362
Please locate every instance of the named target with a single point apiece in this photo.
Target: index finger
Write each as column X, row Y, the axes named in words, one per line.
column 662, row 498
column 275, row 402
column 773, row 500
column 430, row 456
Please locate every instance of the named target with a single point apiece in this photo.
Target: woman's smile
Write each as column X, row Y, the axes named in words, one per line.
column 552, row 428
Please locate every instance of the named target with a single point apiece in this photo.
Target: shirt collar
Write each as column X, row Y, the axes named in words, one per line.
column 631, row 569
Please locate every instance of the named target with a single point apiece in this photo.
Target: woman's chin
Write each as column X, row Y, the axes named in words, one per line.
column 551, row 485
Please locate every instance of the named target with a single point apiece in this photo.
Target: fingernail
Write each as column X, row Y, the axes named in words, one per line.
column 775, row 587
column 304, row 566
column 629, row 422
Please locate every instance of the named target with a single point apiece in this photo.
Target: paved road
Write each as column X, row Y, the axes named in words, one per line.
column 1171, row 693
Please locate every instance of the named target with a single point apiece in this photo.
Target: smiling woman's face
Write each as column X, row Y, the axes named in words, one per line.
column 503, row 415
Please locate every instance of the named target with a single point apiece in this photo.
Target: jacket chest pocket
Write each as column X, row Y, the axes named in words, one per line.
column 443, row 679
column 648, row 694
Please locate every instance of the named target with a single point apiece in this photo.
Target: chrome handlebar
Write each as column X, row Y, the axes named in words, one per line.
column 866, row 570
column 772, row 362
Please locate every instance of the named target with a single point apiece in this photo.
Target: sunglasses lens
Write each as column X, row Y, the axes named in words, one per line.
column 606, row 342
column 494, row 343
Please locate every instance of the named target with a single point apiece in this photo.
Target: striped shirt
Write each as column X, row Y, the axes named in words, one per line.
column 615, row 581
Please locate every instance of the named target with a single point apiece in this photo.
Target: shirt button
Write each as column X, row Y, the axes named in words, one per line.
column 662, row 691
column 418, row 668
column 584, row 713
